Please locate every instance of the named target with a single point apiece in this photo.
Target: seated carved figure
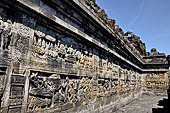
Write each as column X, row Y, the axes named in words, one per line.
column 62, row 51
column 90, row 2
column 96, row 8
column 55, row 50
column 111, row 23
column 102, row 14
column 69, row 52
column 118, row 30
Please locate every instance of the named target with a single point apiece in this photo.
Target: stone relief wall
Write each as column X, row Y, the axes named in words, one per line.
column 155, row 81
column 77, row 73
column 75, row 65
column 42, row 68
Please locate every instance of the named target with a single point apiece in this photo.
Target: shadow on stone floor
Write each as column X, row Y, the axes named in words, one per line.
column 163, row 107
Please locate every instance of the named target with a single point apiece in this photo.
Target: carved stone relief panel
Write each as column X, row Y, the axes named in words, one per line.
column 156, row 81
column 45, row 50
column 103, row 65
column 14, row 39
column 44, row 46
column 51, row 90
column 20, row 49
column 108, row 68
column 43, row 86
column 63, row 52
column 13, row 45
column 86, row 60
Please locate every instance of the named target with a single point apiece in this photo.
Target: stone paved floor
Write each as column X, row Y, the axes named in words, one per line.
column 146, row 104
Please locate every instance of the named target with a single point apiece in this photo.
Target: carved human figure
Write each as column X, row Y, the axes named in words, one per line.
column 2, row 27
column 51, row 49
column 109, row 67
column 84, row 60
column 90, row 60
column 61, row 96
column 69, row 52
column 72, row 91
column 39, row 41
column 102, row 14
column 81, row 88
column 104, row 65
column 47, row 46
column 1, row 30
column 55, row 50
column 66, row 86
column 5, row 32
column 62, row 51
column 78, row 55
column 111, row 23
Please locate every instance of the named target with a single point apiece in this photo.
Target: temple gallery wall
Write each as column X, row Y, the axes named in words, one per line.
column 61, row 56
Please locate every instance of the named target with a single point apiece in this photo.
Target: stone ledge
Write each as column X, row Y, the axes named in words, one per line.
column 106, row 27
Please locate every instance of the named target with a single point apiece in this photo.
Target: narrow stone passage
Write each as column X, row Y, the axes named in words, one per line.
column 146, row 104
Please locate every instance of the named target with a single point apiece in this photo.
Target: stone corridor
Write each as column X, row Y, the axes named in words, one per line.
column 146, row 104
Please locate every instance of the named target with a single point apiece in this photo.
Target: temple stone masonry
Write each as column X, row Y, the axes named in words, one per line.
column 67, row 56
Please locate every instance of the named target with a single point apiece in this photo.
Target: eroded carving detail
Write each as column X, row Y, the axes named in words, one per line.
column 5, row 34
column 50, row 90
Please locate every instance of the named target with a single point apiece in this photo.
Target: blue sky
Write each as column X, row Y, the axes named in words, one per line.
column 148, row 19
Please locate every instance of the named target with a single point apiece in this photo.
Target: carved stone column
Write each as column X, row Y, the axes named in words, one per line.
column 6, row 94
column 26, row 91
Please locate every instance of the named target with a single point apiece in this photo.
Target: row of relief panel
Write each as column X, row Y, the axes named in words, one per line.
column 66, row 11
column 51, row 68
